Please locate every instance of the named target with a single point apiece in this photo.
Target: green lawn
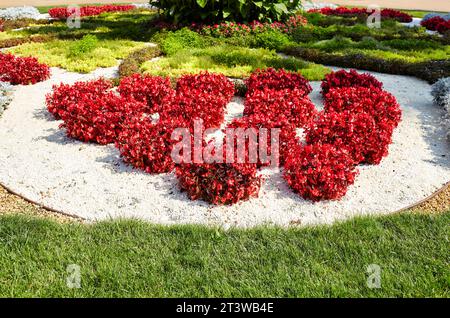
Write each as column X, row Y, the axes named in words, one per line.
column 132, row 259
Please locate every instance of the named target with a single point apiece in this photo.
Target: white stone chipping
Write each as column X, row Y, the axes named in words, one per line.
column 39, row 162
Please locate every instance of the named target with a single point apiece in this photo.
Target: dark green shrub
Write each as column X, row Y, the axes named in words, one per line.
column 132, row 63
column 411, row 44
column 429, row 71
column 190, row 11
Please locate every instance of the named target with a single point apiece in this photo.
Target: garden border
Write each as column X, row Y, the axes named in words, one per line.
column 43, row 206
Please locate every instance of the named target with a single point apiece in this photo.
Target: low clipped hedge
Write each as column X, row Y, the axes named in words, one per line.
column 131, row 64
column 429, row 71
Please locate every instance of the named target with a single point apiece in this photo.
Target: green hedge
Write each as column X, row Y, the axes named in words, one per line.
column 429, row 71
column 189, row 11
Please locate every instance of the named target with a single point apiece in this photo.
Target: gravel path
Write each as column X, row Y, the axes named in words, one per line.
column 90, row 181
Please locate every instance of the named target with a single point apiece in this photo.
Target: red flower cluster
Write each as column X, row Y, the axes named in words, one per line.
column 146, row 144
column 150, row 90
column 64, row 13
column 351, row 78
column 385, row 13
column 228, row 29
column 436, row 24
column 214, row 84
column 381, row 105
column 64, row 95
column 358, row 133
column 287, row 105
column 277, row 80
column 99, row 119
column 287, row 136
column 22, row 70
column 319, row 171
column 203, row 96
column 219, row 183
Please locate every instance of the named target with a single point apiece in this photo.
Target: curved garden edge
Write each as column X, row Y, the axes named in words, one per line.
column 79, row 218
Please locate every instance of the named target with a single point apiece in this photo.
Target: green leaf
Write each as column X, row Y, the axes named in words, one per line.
column 281, row 7
column 226, row 13
column 202, row 3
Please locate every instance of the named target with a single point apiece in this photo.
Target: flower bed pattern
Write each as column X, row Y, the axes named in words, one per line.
column 355, row 127
column 64, row 13
column 385, row 13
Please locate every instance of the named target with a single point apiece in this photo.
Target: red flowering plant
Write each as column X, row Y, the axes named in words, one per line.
column 350, row 78
column 228, row 29
column 195, row 104
column 276, row 80
column 147, row 144
column 349, row 12
column 436, row 24
column 396, row 15
column 214, row 84
column 64, row 94
column 381, row 105
column 22, row 70
column 219, row 183
column 262, row 145
column 319, row 171
column 99, row 120
column 287, row 105
column 356, row 132
column 150, row 90
column 64, row 13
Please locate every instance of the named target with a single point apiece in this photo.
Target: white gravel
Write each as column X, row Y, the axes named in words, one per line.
column 90, row 181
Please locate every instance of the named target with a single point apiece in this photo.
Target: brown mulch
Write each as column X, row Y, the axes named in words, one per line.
column 13, row 204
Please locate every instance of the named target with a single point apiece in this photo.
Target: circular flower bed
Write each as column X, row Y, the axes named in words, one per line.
column 143, row 116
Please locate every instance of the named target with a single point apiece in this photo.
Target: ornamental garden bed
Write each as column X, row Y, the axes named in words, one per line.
column 350, row 143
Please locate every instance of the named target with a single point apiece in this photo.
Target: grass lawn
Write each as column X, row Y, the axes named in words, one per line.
column 133, row 259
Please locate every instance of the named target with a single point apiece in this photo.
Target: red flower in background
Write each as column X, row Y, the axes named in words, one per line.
column 64, row 13
column 277, row 80
column 350, row 78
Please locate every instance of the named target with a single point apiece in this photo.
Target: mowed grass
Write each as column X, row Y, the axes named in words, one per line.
column 136, row 259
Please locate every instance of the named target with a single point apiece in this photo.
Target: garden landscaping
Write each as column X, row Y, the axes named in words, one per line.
column 358, row 146
column 351, row 143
